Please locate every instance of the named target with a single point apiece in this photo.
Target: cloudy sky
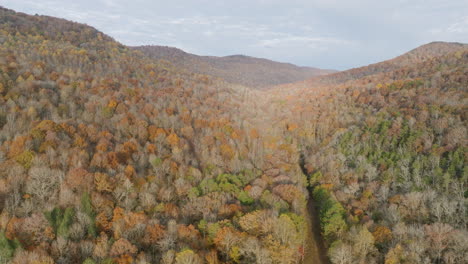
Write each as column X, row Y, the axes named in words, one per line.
column 337, row 34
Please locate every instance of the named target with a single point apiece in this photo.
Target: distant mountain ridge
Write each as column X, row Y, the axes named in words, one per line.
column 239, row 69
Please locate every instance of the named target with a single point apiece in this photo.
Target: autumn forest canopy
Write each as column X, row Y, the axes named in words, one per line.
column 112, row 154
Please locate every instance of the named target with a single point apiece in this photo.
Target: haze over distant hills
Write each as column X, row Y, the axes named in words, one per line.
column 240, row 69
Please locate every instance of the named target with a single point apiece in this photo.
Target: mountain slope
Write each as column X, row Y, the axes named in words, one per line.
column 244, row 70
column 386, row 158
column 107, row 156
column 415, row 56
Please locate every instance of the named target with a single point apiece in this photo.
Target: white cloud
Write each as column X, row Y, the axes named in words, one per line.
column 111, row 3
column 459, row 26
column 304, row 42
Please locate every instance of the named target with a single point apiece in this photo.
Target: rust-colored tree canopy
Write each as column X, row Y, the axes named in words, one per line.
column 111, row 156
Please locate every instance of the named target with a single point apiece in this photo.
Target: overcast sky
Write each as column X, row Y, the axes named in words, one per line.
column 336, row 34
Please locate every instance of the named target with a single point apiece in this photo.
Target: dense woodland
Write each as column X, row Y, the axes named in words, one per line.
column 386, row 159
column 110, row 156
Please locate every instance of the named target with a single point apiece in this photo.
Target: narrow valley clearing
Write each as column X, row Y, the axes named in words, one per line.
column 273, row 123
column 315, row 252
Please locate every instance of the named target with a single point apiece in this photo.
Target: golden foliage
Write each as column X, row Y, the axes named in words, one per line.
column 80, row 142
column 25, row 159
column 79, row 179
column 227, row 152
column 287, row 192
column 46, row 125
column 212, row 257
column 154, row 132
column 102, row 222
column 253, row 222
column 151, row 148
column 103, row 182
column 17, row 146
column 118, row 214
column 153, row 233
column 122, row 247
column 124, row 259
column 112, row 104
column 292, row 126
column 187, row 256
column 102, row 246
column 382, row 234
column 112, row 160
column 254, row 133
column 173, row 139
column 130, row 171
column 395, row 255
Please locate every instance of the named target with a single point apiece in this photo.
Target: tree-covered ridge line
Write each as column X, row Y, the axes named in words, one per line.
column 253, row 72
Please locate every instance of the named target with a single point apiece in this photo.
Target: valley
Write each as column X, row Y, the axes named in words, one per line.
column 116, row 154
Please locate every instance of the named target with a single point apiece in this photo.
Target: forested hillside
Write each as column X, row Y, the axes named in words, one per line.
column 111, row 156
column 239, row 69
column 386, row 159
